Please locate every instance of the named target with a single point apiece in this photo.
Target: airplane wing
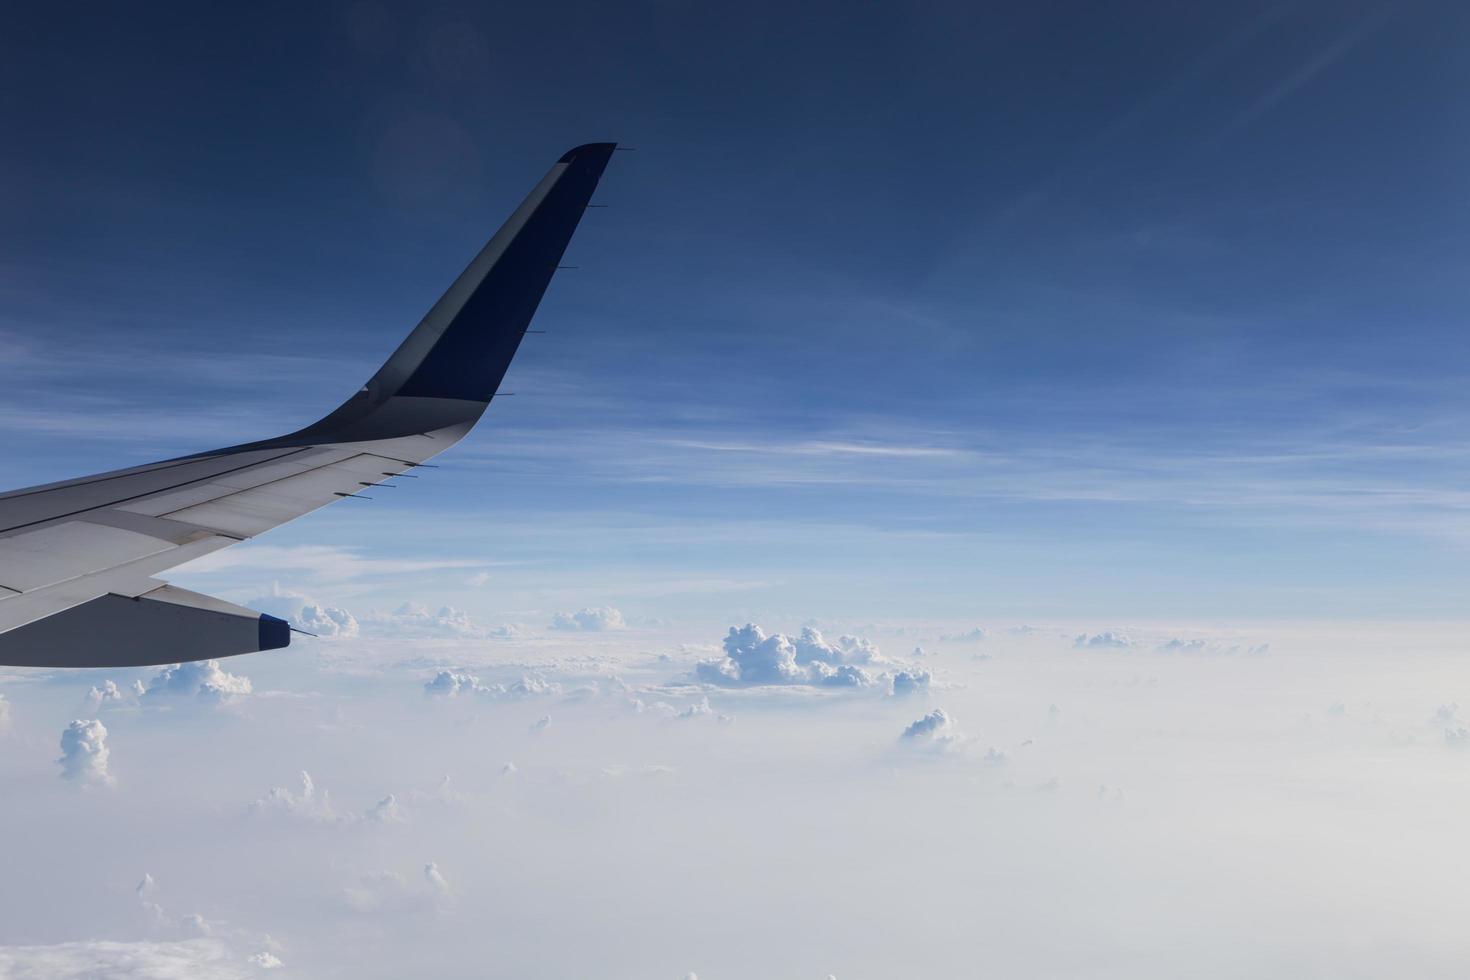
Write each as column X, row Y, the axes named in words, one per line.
column 78, row 558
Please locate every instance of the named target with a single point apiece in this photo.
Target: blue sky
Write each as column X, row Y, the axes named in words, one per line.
column 1144, row 312
column 1090, row 375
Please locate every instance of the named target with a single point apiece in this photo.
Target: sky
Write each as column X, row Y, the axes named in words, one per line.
column 1097, row 358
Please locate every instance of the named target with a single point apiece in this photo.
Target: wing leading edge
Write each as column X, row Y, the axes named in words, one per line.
column 77, row 558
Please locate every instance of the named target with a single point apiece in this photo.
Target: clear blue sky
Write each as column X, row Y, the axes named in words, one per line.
column 1118, row 311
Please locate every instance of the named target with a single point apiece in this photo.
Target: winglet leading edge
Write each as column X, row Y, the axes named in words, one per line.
column 449, row 368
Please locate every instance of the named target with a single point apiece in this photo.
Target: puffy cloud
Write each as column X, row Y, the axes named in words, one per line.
column 753, row 658
column 194, row 959
column 541, row 724
column 146, row 890
column 202, row 678
column 385, row 810
column 309, row 803
column 913, row 681
column 1109, row 640
column 931, row 724
column 846, row 675
column 590, row 618
column 84, row 752
column 315, row 804
column 191, row 924
column 812, row 647
column 936, row 730
column 306, row 613
column 409, row 621
column 530, row 686
column 326, row 621
column 107, row 692
column 266, row 960
column 696, row 710
column 452, row 683
column 412, row 620
column 968, row 636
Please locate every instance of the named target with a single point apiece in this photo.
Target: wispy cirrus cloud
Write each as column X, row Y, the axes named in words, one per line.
column 820, row 448
column 325, row 562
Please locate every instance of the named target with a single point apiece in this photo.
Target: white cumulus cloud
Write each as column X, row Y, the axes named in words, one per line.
column 326, row 621
column 591, row 618
column 1109, row 640
column 266, row 960
column 307, row 802
column 453, row 683
column 313, row 803
column 913, row 681
column 107, row 692
column 754, row 658
column 84, row 752
column 385, row 810
column 936, row 730
column 204, row 679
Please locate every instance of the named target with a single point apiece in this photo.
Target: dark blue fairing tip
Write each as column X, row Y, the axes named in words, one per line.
column 274, row 633
column 575, row 151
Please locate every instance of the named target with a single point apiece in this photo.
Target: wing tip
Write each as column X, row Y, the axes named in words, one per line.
column 274, row 633
column 586, row 148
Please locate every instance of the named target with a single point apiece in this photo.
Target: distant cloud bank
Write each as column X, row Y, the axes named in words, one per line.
column 591, row 619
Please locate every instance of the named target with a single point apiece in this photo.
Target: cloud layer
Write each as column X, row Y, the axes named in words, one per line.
column 597, row 619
